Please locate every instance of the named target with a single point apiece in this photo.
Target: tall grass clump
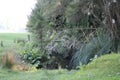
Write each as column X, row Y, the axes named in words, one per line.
column 7, row 60
column 13, row 61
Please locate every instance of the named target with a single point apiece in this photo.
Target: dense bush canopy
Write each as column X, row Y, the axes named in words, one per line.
column 71, row 32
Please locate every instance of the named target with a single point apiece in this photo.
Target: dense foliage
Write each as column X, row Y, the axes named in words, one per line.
column 71, row 32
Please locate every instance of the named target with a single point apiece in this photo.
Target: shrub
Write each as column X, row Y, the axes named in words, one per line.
column 32, row 54
column 29, row 51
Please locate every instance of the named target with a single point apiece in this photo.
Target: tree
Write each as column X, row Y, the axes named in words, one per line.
column 70, row 29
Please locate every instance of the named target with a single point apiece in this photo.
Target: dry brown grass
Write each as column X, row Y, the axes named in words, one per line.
column 13, row 61
column 20, row 67
column 7, row 60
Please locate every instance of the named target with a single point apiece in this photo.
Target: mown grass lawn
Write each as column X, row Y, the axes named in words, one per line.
column 104, row 68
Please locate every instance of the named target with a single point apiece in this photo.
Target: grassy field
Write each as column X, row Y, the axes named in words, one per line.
column 8, row 40
column 12, row 36
column 104, row 68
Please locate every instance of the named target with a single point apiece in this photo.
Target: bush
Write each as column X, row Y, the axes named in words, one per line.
column 28, row 50
column 32, row 54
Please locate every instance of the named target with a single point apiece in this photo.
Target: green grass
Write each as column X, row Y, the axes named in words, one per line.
column 12, row 36
column 8, row 40
column 106, row 67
